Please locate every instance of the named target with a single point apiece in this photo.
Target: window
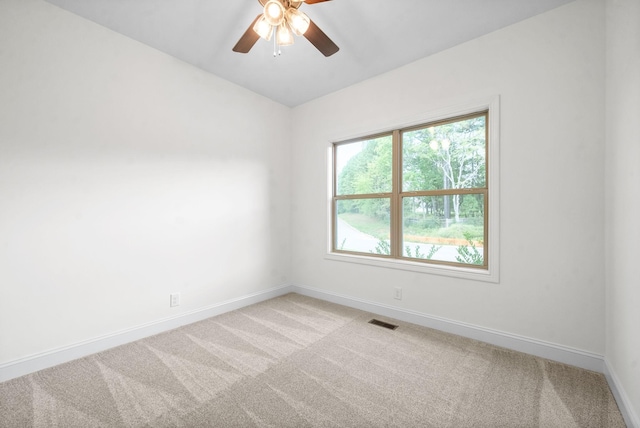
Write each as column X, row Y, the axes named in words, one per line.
column 418, row 195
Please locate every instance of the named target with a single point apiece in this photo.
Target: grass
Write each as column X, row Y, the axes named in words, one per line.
column 369, row 225
column 454, row 231
column 380, row 229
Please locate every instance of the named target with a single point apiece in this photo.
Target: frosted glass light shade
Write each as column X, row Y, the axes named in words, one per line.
column 298, row 21
column 274, row 12
column 284, row 36
column 263, row 28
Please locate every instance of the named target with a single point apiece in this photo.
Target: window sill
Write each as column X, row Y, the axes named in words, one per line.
column 485, row 275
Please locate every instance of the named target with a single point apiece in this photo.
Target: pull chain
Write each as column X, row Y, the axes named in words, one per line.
column 276, row 46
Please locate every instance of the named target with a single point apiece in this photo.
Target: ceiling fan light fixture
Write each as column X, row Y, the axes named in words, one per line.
column 274, row 12
column 280, row 20
column 263, row 28
column 284, row 36
column 298, row 21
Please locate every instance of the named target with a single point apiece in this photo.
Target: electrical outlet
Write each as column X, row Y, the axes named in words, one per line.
column 397, row 293
column 175, row 299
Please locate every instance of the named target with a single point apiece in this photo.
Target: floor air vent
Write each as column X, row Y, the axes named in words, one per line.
column 383, row 324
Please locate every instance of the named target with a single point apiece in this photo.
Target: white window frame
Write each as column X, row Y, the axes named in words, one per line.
column 492, row 273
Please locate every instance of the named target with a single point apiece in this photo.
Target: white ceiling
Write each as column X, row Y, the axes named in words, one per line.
column 374, row 36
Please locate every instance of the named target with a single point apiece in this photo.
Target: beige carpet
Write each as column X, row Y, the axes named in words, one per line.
column 295, row 361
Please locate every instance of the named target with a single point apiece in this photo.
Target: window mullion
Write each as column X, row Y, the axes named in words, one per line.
column 396, row 202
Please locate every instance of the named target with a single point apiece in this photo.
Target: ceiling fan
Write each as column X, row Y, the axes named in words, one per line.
column 282, row 18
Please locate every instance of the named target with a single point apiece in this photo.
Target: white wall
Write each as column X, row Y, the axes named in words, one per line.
column 549, row 73
column 126, row 175
column 119, row 164
column 623, row 202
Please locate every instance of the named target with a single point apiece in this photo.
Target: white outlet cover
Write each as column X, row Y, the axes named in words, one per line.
column 175, row 299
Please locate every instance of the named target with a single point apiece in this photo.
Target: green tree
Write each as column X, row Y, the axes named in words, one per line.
column 367, row 172
column 448, row 156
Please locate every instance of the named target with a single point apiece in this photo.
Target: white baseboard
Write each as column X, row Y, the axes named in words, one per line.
column 624, row 403
column 51, row 358
column 539, row 348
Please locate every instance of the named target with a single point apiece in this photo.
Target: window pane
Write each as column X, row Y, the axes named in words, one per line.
column 364, row 167
column 446, row 228
column 363, row 225
column 447, row 156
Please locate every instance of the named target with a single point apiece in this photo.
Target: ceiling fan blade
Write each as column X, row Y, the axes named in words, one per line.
column 314, row 1
column 248, row 39
column 320, row 40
